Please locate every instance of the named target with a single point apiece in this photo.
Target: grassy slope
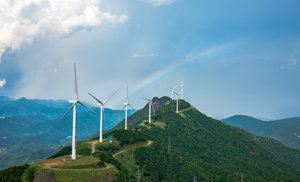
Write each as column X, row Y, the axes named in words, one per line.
column 79, row 175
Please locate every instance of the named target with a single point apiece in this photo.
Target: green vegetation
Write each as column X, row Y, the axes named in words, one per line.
column 64, row 151
column 84, row 151
column 201, row 146
column 138, row 116
column 13, row 174
column 82, row 148
column 79, row 175
column 286, row 131
column 202, row 141
column 31, row 171
column 284, row 153
column 82, row 162
column 128, row 137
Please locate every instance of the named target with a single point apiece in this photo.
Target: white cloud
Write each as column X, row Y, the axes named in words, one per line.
column 22, row 21
column 160, row 2
column 2, row 82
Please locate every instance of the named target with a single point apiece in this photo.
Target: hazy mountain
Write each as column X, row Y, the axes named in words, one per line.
column 287, row 131
column 26, row 122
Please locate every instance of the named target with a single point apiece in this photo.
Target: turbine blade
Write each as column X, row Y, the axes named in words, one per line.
column 110, row 97
column 96, row 99
column 130, row 106
column 147, row 99
column 76, row 89
column 127, row 94
column 61, row 118
column 87, row 107
column 153, row 107
column 123, row 107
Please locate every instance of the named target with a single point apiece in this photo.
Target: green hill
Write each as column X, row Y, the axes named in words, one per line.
column 158, row 104
column 175, row 147
column 286, row 131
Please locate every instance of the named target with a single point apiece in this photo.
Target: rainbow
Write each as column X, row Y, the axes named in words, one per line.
column 190, row 58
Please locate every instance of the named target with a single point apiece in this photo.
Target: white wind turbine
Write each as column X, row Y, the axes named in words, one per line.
column 150, row 106
column 102, row 106
column 126, row 104
column 177, row 98
column 182, row 86
column 172, row 92
column 75, row 102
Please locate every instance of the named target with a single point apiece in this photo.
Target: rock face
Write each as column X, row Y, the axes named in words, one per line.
column 45, row 177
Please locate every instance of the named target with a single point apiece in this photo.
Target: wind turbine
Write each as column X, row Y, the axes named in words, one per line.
column 182, row 86
column 177, row 98
column 150, row 105
column 172, row 91
column 102, row 106
column 126, row 104
column 75, row 102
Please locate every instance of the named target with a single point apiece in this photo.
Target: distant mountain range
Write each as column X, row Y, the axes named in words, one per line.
column 287, row 131
column 28, row 129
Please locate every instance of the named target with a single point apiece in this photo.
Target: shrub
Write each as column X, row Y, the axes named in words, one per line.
column 13, row 174
column 128, row 136
column 84, row 151
column 108, row 147
column 63, row 151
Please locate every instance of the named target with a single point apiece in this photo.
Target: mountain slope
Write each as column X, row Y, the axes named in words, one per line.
column 212, row 142
column 287, row 131
column 26, row 122
column 284, row 153
column 158, row 104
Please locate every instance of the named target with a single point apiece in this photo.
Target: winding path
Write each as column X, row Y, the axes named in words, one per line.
column 93, row 146
column 54, row 163
column 148, row 143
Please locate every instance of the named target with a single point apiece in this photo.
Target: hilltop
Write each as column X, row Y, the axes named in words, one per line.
column 175, row 147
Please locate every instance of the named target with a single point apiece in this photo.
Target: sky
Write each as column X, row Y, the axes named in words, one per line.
column 235, row 57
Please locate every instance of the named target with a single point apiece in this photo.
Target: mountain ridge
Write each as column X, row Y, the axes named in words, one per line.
column 286, row 131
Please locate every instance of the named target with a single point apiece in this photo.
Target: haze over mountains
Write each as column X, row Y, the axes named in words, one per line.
column 28, row 129
column 287, row 131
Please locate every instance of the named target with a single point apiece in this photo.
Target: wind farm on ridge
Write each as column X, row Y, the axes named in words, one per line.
column 102, row 110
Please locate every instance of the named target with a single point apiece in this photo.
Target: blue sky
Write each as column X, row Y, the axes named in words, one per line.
column 235, row 57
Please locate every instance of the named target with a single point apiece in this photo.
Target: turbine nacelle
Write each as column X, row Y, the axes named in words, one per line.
column 102, row 111
column 73, row 101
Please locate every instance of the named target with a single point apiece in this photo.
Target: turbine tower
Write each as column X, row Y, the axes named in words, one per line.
column 172, row 92
column 126, row 104
column 150, row 105
column 102, row 107
column 75, row 102
column 177, row 98
column 138, row 175
column 182, row 86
